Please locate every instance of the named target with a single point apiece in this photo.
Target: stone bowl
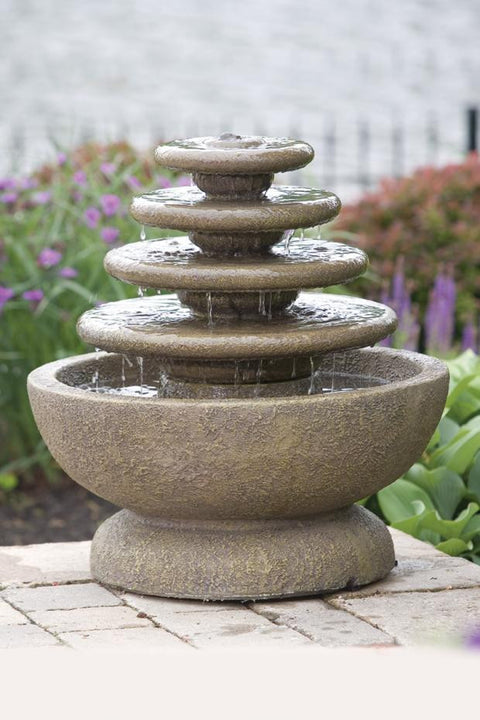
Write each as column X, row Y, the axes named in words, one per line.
column 241, row 498
column 247, row 458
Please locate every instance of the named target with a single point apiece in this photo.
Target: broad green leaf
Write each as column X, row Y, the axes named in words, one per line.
column 454, row 546
column 397, row 500
column 471, row 531
column 449, row 528
column 473, row 483
column 447, row 428
column 459, row 453
column 445, row 488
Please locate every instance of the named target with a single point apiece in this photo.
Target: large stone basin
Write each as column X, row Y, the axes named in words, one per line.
column 241, row 498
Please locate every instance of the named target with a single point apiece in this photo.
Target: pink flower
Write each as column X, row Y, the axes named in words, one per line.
column 42, row 197
column 163, row 182
column 92, row 216
column 108, row 168
column 9, row 198
column 80, row 178
column 8, row 183
column 183, row 180
column 110, row 204
column 33, row 296
column 28, row 183
column 109, row 234
column 48, row 258
column 61, row 158
column 133, row 182
column 68, row 272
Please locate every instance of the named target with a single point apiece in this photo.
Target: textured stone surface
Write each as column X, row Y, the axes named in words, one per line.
column 93, row 618
column 25, row 636
column 419, row 617
column 138, row 639
column 47, row 563
column 257, row 458
column 322, row 623
column 62, row 597
column 242, row 560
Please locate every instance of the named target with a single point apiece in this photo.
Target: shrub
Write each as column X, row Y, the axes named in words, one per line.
column 430, row 223
column 438, row 499
column 55, row 227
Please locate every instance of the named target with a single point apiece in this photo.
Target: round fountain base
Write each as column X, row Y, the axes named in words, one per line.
column 242, row 560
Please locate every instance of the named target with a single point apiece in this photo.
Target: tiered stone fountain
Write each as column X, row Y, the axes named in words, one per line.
column 237, row 422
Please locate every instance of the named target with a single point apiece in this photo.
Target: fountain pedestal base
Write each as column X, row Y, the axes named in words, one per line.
column 242, row 560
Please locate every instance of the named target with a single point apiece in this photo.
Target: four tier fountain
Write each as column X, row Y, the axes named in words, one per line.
column 239, row 420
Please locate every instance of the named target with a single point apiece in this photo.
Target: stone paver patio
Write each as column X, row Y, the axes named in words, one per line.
column 47, row 598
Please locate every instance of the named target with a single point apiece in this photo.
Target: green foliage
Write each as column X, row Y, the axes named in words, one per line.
column 438, row 499
column 55, row 228
column 431, row 219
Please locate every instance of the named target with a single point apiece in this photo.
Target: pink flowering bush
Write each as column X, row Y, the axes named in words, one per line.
column 55, row 227
column 427, row 228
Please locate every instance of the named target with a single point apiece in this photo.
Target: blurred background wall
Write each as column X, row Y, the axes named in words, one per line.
column 378, row 87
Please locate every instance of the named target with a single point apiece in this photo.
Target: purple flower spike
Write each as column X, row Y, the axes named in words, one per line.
column 33, row 295
column 68, row 272
column 469, row 337
column 48, row 258
column 110, row 204
column 42, row 197
column 109, row 234
column 80, row 178
column 6, row 294
column 9, row 198
column 92, row 216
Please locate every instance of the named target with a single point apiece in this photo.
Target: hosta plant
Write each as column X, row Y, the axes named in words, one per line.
column 438, row 499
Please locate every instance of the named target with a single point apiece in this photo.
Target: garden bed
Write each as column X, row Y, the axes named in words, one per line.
column 51, row 513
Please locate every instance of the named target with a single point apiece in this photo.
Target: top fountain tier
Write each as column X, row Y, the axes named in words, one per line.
column 234, row 209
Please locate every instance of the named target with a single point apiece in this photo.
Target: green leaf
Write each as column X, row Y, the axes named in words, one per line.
column 447, row 428
column 454, row 546
column 449, row 528
column 471, row 531
column 473, row 482
column 459, row 453
column 397, row 500
column 445, row 488
column 8, row 482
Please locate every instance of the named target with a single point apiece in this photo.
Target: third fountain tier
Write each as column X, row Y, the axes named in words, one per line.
column 238, row 420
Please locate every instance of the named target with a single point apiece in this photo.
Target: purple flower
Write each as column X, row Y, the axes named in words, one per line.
column 92, row 216
column 33, row 295
column 9, row 197
column 110, row 204
column 133, row 182
column 48, row 258
column 469, row 339
column 6, row 294
column 42, row 197
column 61, row 158
column 108, row 168
column 80, row 178
column 28, row 183
column 183, row 180
column 109, row 234
column 163, row 182
column 68, row 272
column 472, row 641
column 77, row 196
column 440, row 314
column 8, row 183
